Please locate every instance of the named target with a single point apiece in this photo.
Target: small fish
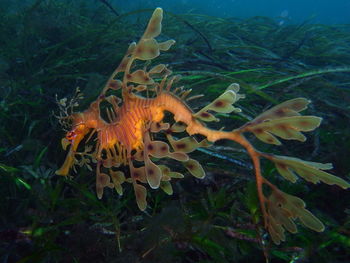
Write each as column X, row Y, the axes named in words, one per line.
column 283, row 17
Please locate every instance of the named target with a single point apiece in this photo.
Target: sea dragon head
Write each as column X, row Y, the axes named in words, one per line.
column 82, row 123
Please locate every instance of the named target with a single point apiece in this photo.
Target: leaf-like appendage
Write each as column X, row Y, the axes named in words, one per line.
column 222, row 104
column 159, row 126
column 123, row 64
column 205, row 116
column 283, row 120
column 313, row 172
column 167, row 172
column 288, row 128
column 154, row 26
column 176, row 175
column 117, row 178
column 194, row 168
column 139, row 174
column 178, row 127
column 140, row 77
column 187, row 144
column 288, row 108
column 126, row 58
column 147, row 49
column 115, row 84
column 157, row 69
column 164, row 46
column 65, row 143
column 102, row 181
column 166, row 187
column 179, row 156
column 160, row 149
column 141, row 194
column 153, row 173
column 282, row 210
column 139, row 88
column 131, row 48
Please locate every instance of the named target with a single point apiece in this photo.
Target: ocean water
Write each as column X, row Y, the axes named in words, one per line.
column 293, row 11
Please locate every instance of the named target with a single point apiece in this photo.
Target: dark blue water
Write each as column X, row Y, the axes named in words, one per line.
column 285, row 11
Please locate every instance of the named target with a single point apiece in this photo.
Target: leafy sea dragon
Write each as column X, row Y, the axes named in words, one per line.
column 124, row 137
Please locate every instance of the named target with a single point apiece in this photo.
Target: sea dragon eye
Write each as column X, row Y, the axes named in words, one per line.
column 71, row 135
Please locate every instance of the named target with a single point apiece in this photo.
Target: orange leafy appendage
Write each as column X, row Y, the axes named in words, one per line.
column 125, row 138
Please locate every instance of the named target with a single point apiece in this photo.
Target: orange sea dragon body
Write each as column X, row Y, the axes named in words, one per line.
column 125, row 138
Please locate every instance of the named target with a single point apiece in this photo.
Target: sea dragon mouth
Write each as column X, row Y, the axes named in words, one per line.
column 72, row 138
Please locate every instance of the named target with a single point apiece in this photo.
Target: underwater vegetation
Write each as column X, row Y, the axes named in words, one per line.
column 219, row 218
